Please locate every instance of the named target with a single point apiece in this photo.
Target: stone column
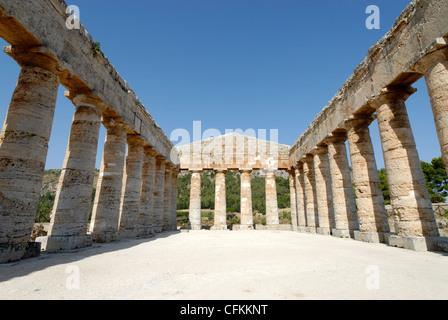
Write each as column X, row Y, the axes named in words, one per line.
column 195, row 200
column 293, row 198
column 23, row 152
column 146, row 217
column 159, row 188
column 106, row 208
column 310, row 194
column 301, row 203
column 166, row 216
column 435, row 68
column 415, row 224
column 220, row 221
column 372, row 216
column 68, row 227
column 132, row 184
column 324, row 196
column 272, row 220
column 174, row 178
column 247, row 218
column 344, row 208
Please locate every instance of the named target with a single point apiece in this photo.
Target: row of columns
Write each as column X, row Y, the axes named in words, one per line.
column 136, row 192
column 322, row 184
column 220, row 218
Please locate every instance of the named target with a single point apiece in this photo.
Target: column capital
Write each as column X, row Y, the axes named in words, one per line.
column 336, row 137
column 389, row 94
column 135, row 139
column 220, row 170
column 196, row 170
column 33, row 56
column 111, row 122
column 320, row 149
column 433, row 57
column 243, row 170
column 358, row 120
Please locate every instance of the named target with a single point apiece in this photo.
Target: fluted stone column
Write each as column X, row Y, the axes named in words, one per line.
column 344, row 208
column 247, row 218
column 106, row 208
column 195, row 200
column 23, row 152
column 301, row 199
column 293, row 198
column 372, row 216
column 435, row 68
column 324, row 196
column 220, row 221
column 159, row 190
column 146, row 216
column 167, row 199
column 132, row 184
column 68, row 227
column 310, row 194
column 174, row 178
column 272, row 220
column 415, row 224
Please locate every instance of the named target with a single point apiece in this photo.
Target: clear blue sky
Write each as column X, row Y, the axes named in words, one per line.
column 260, row 64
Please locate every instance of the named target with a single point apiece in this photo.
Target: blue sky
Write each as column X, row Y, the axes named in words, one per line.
column 248, row 64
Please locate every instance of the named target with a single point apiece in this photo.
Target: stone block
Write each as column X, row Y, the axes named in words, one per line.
column 64, row 243
column 340, row 233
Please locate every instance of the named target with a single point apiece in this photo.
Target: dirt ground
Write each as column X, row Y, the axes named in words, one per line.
column 216, row 265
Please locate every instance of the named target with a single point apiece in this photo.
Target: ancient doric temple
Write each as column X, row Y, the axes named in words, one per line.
column 137, row 186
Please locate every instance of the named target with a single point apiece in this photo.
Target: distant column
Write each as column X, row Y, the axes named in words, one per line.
column 247, row 219
column 195, row 200
column 106, row 208
column 68, row 227
column 373, row 221
column 174, row 179
column 272, row 220
column 435, row 68
column 167, row 199
column 415, row 224
column 310, row 194
column 23, row 152
column 293, row 198
column 146, row 216
column 220, row 221
column 132, row 184
column 301, row 201
column 346, row 220
column 159, row 189
column 324, row 196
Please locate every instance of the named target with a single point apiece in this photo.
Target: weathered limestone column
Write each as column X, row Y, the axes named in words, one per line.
column 146, row 216
column 174, row 178
column 372, row 216
column 293, row 198
column 301, row 201
column 247, row 218
column 106, row 208
column 68, row 227
column 132, row 184
column 435, row 68
column 310, row 194
column 195, row 200
column 323, row 190
column 23, row 152
column 344, row 208
column 166, row 216
column 220, row 221
column 272, row 220
column 159, row 188
column 415, row 224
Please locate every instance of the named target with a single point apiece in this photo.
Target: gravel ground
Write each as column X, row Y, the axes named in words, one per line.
column 223, row 265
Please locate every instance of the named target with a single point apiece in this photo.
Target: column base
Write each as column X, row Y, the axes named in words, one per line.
column 310, row 229
column 15, row 252
column 419, row 243
column 301, row 229
column 340, row 233
column 323, row 230
column 246, row 227
column 104, row 237
column 371, row 237
column 64, row 243
column 194, row 227
column 219, row 227
column 272, row 227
